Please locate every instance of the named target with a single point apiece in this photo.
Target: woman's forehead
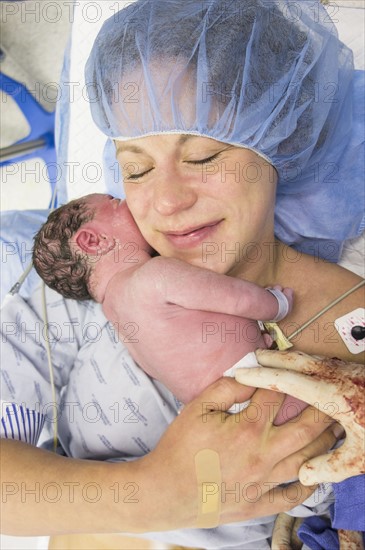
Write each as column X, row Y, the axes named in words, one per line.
column 175, row 141
column 138, row 145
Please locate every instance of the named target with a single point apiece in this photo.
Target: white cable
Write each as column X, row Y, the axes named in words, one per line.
column 50, row 366
column 48, row 347
column 16, row 287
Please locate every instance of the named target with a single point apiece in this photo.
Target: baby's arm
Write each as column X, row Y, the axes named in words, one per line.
column 193, row 287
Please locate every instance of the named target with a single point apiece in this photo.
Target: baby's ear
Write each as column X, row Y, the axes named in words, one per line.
column 93, row 243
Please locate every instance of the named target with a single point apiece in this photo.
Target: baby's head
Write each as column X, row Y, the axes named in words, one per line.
column 78, row 235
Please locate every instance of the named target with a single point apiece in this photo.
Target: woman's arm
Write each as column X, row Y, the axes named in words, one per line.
column 191, row 468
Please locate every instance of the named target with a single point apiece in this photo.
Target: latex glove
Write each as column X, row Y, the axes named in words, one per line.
column 330, row 385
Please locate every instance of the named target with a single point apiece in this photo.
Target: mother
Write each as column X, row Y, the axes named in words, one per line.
column 225, row 115
column 218, row 110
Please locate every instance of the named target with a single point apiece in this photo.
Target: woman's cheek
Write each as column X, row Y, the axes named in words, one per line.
column 135, row 203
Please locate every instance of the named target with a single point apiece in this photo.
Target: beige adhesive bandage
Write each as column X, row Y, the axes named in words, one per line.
column 209, row 479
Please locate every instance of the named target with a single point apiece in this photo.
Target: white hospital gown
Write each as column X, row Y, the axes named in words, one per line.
column 107, row 407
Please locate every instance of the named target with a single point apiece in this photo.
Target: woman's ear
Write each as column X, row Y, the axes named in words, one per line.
column 93, row 243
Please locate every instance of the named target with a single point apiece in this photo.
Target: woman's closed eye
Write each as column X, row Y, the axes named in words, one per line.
column 205, row 160
column 132, row 176
column 128, row 177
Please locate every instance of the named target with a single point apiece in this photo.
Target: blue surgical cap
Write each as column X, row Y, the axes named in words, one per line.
column 269, row 75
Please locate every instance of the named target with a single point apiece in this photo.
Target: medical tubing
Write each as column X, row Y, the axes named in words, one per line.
column 16, row 287
column 335, row 302
column 50, row 366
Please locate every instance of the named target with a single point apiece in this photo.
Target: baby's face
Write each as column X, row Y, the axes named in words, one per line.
column 113, row 218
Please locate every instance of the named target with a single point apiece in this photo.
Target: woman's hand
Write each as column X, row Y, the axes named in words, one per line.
column 332, row 386
column 211, row 467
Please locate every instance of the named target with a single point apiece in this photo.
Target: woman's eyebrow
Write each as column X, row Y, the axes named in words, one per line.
column 131, row 148
column 135, row 149
column 186, row 137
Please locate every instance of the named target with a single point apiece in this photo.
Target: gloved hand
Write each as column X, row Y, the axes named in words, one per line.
column 330, row 385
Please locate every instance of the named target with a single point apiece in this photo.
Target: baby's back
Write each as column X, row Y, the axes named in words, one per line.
column 186, row 349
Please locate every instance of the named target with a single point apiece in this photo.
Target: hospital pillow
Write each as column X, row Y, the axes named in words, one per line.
column 17, row 230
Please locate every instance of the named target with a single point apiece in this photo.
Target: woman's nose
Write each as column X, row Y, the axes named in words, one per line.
column 173, row 193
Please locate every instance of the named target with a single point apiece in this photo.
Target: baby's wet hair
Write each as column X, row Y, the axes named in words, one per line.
column 65, row 270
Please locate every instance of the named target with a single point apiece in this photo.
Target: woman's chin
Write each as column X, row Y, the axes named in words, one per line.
column 207, row 255
column 213, row 264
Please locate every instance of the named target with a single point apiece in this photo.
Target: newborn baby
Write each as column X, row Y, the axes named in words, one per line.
column 183, row 325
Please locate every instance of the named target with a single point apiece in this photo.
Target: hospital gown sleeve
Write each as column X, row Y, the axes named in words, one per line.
column 28, row 404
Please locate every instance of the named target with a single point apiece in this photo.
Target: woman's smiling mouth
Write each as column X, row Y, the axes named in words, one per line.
column 192, row 236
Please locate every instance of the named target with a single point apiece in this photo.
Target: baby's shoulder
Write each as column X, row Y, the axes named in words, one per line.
column 164, row 269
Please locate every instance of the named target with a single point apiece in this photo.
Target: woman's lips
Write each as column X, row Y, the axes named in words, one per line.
column 191, row 237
